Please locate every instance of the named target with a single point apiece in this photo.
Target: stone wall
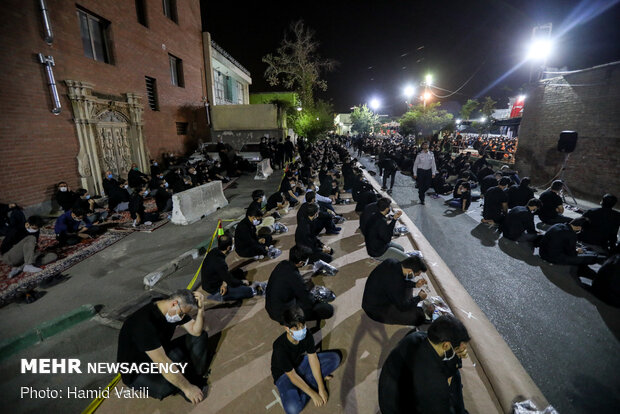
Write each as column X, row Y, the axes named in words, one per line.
column 39, row 149
column 585, row 101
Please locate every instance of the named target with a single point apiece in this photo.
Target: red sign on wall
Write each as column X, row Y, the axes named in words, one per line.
column 517, row 108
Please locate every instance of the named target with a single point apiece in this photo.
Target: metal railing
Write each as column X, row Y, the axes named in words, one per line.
column 229, row 57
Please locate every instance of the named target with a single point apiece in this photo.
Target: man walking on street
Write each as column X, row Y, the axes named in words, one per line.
column 424, row 170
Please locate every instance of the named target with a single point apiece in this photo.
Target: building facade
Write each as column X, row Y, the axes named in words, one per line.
column 129, row 85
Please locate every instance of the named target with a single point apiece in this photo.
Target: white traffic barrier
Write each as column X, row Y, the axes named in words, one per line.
column 263, row 170
column 191, row 205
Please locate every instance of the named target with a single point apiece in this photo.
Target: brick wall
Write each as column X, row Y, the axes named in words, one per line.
column 587, row 102
column 38, row 149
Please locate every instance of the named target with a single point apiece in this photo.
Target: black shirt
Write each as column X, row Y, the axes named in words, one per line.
column 379, row 235
column 519, row 195
column 287, row 355
column 14, row 236
column 601, row 228
column 518, row 220
column 493, row 200
column 305, row 235
column 558, row 242
column 414, row 379
column 273, row 200
column 551, row 200
column 386, row 286
column 367, row 216
column 486, row 183
column 215, row 271
column 246, row 240
column 364, row 199
column 285, row 288
column 144, row 330
column 66, row 199
column 136, row 205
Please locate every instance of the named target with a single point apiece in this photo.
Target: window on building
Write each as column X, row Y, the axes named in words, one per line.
column 181, row 128
column 94, row 32
column 176, row 71
column 170, row 10
column 229, row 89
column 240, row 90
column 151, row 93
column 219, row 86
column 141, row 12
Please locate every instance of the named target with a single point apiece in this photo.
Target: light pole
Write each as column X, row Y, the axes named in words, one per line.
column 409, row 91
column 540, row 48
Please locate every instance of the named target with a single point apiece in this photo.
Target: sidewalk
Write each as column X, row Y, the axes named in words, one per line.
column 115, row 275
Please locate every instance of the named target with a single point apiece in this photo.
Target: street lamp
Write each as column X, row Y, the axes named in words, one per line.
column 409, row 91
column 458, row 121
column 483, row 119
column 540, row 49
column 375, row 104
column 429, row 79
column 299, row 108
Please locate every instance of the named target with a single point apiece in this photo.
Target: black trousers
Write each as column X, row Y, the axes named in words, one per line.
column 392, row 175
column 393, row 316
column 186, row 348
column 425, row 181
column 316, row 256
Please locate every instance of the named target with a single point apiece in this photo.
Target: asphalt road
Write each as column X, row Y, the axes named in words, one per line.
column 566, row 339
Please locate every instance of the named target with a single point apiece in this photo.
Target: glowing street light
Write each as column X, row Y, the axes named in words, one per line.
column 299, row 108
column 427, row 96
column 483, row 119
column 429, row 79
column 521, row 98
column 409, row 91
column 458, row 121
column 540, row 49
column 375, row 104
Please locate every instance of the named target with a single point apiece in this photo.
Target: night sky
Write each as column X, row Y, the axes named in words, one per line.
column 383, row 45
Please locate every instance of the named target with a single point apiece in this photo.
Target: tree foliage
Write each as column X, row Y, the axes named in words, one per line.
column 425, row 120
column 363, row 120
column 470, row 107
column 488, row 106
column 314, row 121
column 297, row 65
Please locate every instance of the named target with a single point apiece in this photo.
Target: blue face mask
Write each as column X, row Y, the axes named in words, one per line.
column 110, row 176
column 88, row 197
column 146, row 193
column 166, row 185
column 155, row 164
column 300, row 334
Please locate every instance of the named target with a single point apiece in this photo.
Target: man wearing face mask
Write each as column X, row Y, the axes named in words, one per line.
column 519, row 223
column 259, row 201
column 379, row 234
column 286, row 288
column 421, row 375
column 118, row 197
column 216, row 278
column 135, row 178
column 72, row 227
column 18, row 248
column 65, row 197
column 388, row 296
column 136, row 208
column 146, row 336
column 109, row 183
column 247, row 242
column 298, row 371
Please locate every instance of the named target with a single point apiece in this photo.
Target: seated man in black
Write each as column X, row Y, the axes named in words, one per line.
column 66, row 198
column 325, row 220
column 137, row 210
column 601, row 229
column 278, row 202
column 247, row 242
column 553, row 205
column 379, row 233
column 109, row 182
column 439, row 183
column 519, row 223
column 163, row 197
column 461, row 196
column 135, row 178
column 489, row 181
column 496, row 203
column 305, row 236
column 559, row 244
column 288, row 186
column 94, row 212
column 72, row 227
column 146, row 337
column 366, row 218
column 388, row 296
column 287, row 288
column 118, row 197
column 299, row 372
column 519, row 195
column 18, row 248
column 421, row 375
column 216, row 278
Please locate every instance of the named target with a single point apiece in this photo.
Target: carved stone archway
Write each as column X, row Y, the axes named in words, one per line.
column 110, row 133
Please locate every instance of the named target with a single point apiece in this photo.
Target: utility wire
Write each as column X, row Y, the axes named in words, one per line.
column 461, row 87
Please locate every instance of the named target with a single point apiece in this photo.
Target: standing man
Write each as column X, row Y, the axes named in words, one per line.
column 146, row 336
column 424, row 170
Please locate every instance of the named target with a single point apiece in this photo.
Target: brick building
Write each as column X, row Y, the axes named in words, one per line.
column 588, row 102
column 130, row 80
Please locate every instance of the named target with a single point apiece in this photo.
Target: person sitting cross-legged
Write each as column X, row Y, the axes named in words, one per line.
column 72, row 227
column 286, row 287
column 216, row 278
column 306, row 236
column 137, row 210
column 421, row 375
column 298, row 371
column 19, row 248
column 601, row 229
column 552, row 209
column 519, row 223
column 388, row 296
column 496, row 203
column 559, row 245
column 379, row 233
column 247, row 242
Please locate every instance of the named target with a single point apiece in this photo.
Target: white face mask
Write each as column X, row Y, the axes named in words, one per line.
column 63, row 189
column 306, row 262
column 174, row 318
column 445, row 358
column 29, row 230
column 256, row 222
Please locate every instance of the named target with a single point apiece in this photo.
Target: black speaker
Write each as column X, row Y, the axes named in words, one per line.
column 567, row 141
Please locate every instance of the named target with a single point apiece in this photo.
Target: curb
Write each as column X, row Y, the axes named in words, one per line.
column 180, row 261
column 45, row 330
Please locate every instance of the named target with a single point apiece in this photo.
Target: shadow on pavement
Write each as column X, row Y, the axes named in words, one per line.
column 487, row 236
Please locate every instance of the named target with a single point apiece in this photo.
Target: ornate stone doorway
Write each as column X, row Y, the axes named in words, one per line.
column 110, row 134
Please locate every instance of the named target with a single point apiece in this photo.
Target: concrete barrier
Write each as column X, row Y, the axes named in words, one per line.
column 191, row 205
column 263, row 170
